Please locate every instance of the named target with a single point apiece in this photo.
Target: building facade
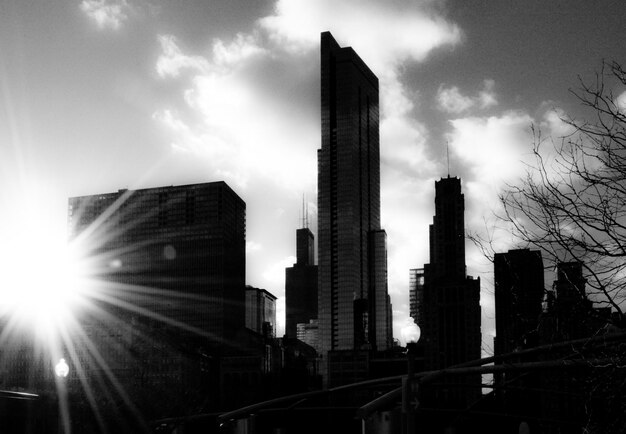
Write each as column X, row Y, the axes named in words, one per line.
column 416, row 291
column 260, row 311
column 352, row 287
column 301, row 285
column 519, row 293
column 449, row 314
column 173, row 255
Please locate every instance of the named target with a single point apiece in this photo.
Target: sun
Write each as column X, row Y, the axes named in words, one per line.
column 40, row 282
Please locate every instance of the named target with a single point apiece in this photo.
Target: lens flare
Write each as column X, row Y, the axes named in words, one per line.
column 40, row 282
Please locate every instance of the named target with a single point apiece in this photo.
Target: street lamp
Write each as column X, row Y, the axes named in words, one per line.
column 62, row 370
column 411, row 335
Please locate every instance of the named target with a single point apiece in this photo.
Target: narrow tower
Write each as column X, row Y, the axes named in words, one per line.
column 450, row 300
column 353, row 302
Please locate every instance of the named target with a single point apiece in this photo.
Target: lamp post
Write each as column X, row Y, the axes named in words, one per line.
column 411, row 335
column 61, row 369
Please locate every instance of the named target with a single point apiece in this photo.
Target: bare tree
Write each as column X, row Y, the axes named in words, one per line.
column 571, row 203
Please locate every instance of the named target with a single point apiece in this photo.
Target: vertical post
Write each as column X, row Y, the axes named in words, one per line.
column 408, row 391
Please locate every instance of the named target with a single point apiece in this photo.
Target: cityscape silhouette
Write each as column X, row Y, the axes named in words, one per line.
column 458, row 263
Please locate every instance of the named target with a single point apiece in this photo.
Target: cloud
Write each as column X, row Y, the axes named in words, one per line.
column 412, row 30
column 491, row 146
column 275, row 273
column 172, row 60
column 106, row 13
column 451, row 100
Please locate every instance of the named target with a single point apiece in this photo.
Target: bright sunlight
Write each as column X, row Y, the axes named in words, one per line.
column 39, row 283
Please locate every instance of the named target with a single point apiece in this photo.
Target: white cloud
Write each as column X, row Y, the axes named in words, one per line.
column 106, row 13
column 412, row 30
column 451, row 100
column 491, row 146
column 275, row 273
column 172, row 60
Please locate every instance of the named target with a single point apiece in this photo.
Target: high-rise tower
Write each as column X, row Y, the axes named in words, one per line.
column 301, row 285
column 449, row 315
column 353, row 303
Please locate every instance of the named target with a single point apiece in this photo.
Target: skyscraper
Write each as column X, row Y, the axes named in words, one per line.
column 519, row 291
column 301, row 285
column 450, row 299
column 353, row 302
column 174, row 254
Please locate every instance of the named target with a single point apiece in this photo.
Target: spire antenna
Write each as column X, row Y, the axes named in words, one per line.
column 306, row 213
column 303, row 215
column 448, row 156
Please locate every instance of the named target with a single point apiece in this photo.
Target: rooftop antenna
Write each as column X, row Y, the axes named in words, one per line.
column 448, row 156
column 305, row 217
column 306, row 214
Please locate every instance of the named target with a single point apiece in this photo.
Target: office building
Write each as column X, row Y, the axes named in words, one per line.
column 449, row 299
column 519, row 291
column 352, row 288
column 308, row 333
column 416, row 285
column 170, row 255
column 260, row 311
column 301, row 285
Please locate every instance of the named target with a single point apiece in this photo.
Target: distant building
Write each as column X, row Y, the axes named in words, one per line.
column 171, row 255
column 309, row 333
column 260, row 311
column 353, row 302
column 519, row 291
column 301, row 285
column 449, row 299
column 569, row 315
column 416, row 285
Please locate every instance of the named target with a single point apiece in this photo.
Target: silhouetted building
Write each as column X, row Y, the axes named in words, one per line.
column 353, row 302
column 519, row 292
column 569, row 315
column 173, row 254
column 167, row 299
column 301, row 285
column 260, row 311
column 416, row 285
column 449, row 299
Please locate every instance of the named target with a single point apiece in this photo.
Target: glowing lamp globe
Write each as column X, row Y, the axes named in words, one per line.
column 411, row 333
column 61, row 369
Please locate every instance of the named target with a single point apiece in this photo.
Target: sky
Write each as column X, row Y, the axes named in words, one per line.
column 100, row 95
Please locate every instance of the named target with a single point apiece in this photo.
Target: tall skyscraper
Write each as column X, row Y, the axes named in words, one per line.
column 450, row 300
column 173, row 254
column 301, row 285
column 353, row 302
column 519, row 291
